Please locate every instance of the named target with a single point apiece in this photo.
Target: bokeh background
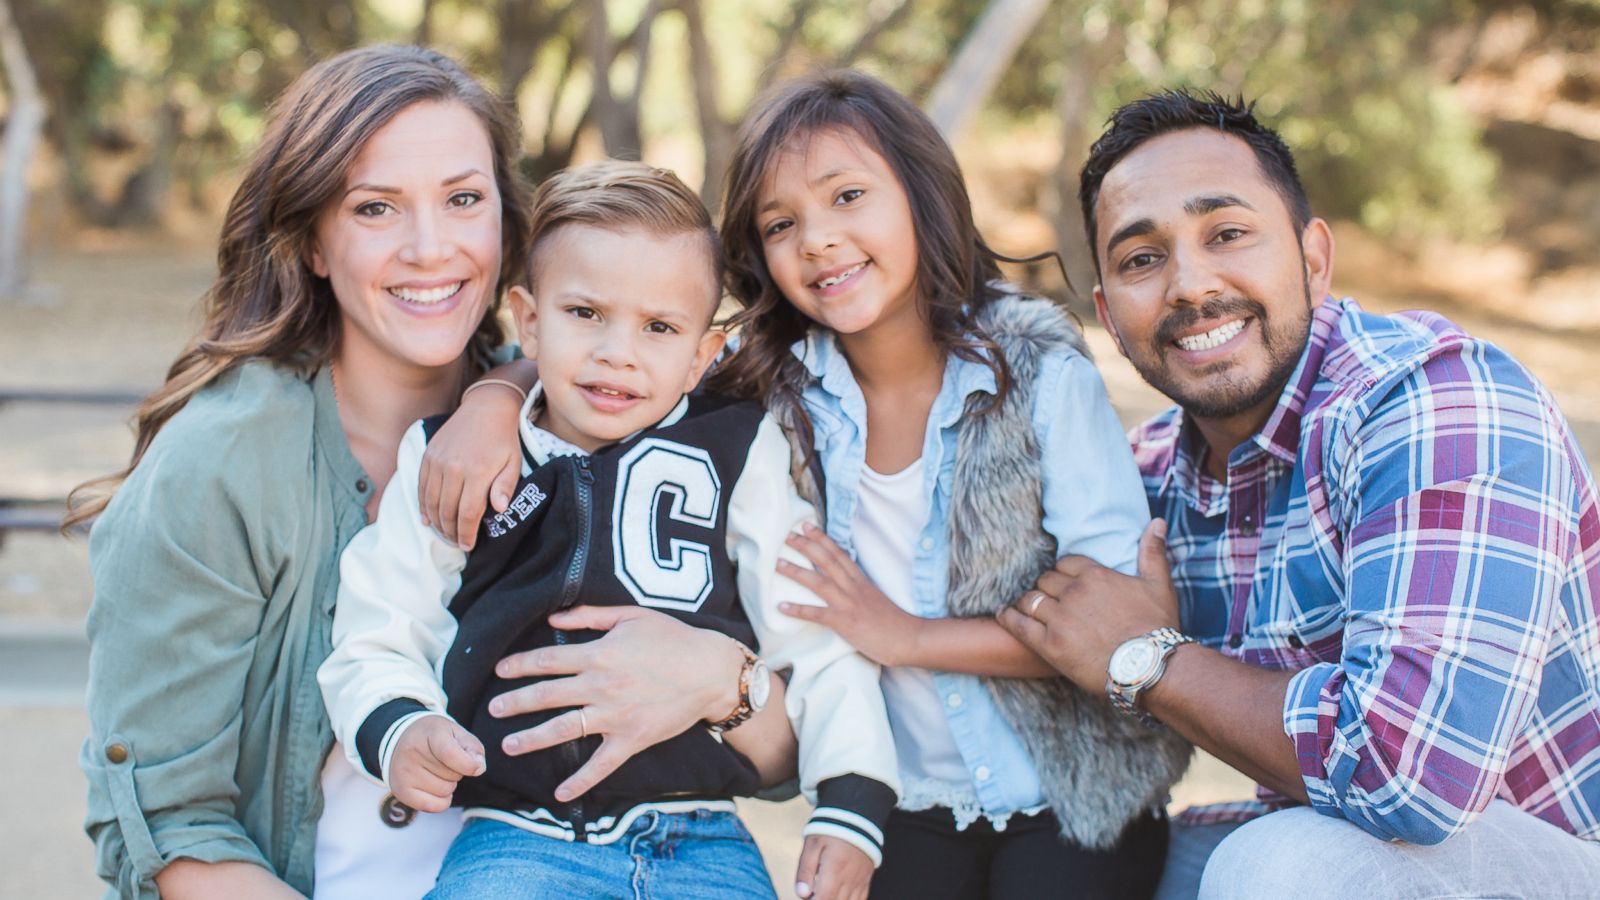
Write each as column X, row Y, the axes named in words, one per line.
column 1455, row 144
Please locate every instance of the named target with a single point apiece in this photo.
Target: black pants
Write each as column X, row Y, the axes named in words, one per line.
column 927, row 859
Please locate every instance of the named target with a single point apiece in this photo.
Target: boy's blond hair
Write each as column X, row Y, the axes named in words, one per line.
column 619, row 194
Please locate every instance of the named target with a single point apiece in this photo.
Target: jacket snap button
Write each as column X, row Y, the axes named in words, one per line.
column 117, row 753
column 361, row 485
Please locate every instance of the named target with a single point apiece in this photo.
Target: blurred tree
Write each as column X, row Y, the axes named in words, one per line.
column 24, row 121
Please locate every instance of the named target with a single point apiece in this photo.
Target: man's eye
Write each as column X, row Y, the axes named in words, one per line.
column 1139, row 261
column 1229, row 235
column 373, row 208
column 463, row 199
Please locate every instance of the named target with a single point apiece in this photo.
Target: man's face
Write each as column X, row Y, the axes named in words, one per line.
column 1205, row 284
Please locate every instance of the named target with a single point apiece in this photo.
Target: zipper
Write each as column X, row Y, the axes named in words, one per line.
column 569, row 596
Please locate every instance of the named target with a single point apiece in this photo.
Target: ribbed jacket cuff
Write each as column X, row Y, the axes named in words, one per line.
column 853, row 808
column 376, row 735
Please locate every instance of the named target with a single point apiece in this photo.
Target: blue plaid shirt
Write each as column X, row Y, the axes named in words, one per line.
column 1415, row 532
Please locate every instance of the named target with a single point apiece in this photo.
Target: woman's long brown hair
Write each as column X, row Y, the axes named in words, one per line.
column 266, row 303
column 956, row 271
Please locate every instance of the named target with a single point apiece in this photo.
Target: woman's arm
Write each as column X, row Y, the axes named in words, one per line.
column 185, row 878
column 475, row 459
column 632, row 684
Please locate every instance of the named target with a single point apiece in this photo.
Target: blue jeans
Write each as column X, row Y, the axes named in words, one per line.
column 701, row 855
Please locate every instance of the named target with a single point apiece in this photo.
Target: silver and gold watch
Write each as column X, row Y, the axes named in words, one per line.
column 1138, row 664
column 755, row 684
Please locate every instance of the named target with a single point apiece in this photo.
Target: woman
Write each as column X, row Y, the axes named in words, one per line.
column 359, row 277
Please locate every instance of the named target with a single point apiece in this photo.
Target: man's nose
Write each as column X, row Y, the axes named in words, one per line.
column 1192, row 276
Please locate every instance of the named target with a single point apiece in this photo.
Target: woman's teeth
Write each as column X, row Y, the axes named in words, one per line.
column 1216, row 337
column 427, row 296
column 830, row 282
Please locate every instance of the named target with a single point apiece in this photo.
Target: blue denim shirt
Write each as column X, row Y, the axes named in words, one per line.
column 1094, row 506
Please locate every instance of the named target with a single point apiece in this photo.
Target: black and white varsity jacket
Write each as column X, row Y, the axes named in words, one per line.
column 688, row 517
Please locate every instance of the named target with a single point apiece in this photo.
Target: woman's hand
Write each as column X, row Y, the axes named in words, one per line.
column 475, row 459
column 648, row 679
column 857, row 611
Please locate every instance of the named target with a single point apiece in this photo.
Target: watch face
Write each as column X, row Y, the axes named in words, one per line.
column 760, row 685
column 1134, row 661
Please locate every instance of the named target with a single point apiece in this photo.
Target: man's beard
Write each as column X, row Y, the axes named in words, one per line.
column 1228, row 396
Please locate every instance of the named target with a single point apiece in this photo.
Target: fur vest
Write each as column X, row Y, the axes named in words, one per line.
column 1099, row 768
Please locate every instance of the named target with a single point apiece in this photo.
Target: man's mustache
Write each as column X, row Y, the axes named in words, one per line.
column 1216, row 308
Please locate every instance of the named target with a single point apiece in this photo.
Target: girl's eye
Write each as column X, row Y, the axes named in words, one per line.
column 775, row 227
column 373, row 208
column 464, row 199
column 660, row 328
column 848, row 195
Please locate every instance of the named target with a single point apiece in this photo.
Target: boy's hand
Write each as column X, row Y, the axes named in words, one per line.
column 473, row 462
column 433, row 755
column 832, row 869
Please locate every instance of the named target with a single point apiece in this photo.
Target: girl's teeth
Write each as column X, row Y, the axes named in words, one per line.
column 1216, row 337
column 427, row 296
column 830, row 282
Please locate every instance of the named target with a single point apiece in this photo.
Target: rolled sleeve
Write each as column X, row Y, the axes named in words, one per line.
column 1453, row 562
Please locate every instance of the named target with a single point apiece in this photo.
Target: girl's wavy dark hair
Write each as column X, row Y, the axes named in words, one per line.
column 957, row 274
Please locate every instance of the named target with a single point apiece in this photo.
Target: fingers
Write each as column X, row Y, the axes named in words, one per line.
column 1153, row 565
column 555, row 693
column 504, row 483
column 821, row 615
column 1028, row 630
column 444, row 506
column 600, row 618
column 611, row 755
column 457, row 751
column 805, row 876
column 424, row 792
column 569, row 726
column 815, row 545
column 427, row 486
column 566, row 659
column 811, row 579
column 468, row 512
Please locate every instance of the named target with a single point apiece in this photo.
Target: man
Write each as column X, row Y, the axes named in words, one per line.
column 1384, row 546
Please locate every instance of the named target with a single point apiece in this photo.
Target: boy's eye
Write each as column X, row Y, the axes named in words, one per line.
column 583, row 312
column 464, row 199
column 660, row 328
column 849, row 195
column 373, row 208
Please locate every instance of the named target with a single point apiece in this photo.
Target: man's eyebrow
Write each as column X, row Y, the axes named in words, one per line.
column 1199, row 206
column 1136, row 228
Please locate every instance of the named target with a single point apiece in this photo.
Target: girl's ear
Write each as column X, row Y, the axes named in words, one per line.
column 314, row 258
column 711, row 344
column 525, row 314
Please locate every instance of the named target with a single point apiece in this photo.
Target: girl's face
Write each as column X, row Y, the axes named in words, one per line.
column 835, row 227
column 412, row 246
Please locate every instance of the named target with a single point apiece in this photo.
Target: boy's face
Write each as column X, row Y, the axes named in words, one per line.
column 619, row 322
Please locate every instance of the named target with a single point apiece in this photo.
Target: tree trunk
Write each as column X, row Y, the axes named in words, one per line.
column 1091, row 55
column 23, row 127
column 716, row 133
column 983, row 57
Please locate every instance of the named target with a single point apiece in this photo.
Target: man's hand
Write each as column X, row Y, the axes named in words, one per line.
column 431, row 758
column 832, row 869
column 1081, row 611
column 857, row 611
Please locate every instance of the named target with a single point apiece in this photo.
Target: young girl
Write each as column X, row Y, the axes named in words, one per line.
column 958, row 439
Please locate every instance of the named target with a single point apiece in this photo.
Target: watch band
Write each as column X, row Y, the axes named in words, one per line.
column 1125, row 697
column 745, row 709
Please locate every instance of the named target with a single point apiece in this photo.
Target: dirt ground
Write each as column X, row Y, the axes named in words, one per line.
column 113, row 314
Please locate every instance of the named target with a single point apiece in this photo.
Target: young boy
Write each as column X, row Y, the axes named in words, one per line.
column 633, row 492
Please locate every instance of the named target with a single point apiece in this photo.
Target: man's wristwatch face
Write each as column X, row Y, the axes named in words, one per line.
column 759, row 687
column 1134, row 661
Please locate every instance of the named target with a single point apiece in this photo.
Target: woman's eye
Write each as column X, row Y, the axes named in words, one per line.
column 373, row 208
column 849, row 195
column 463, row 199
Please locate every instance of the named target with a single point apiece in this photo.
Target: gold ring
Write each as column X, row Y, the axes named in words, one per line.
column 1033, row 605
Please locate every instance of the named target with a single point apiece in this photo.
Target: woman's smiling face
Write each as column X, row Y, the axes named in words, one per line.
column 411, row 246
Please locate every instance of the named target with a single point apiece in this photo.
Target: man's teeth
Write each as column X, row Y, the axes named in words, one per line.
column 426, row 296
column 830, row 282
column 1214, row 338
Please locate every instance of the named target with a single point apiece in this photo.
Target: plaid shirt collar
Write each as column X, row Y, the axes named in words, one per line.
column 1279, row 436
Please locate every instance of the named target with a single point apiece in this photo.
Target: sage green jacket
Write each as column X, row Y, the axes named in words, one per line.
column 215, row 571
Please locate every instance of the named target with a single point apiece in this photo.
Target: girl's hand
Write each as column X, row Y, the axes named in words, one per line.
column 857, row 611
column 474, row 461
column 650, row 678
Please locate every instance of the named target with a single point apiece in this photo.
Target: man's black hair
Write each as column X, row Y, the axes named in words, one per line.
column 1175, row 110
